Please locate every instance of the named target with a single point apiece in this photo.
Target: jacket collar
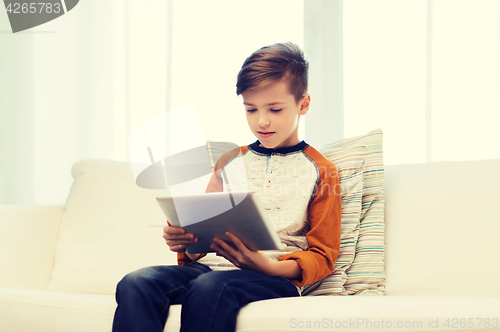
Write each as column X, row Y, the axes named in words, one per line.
column 255, row 146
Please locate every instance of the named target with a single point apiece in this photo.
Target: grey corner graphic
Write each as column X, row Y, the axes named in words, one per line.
column 70, row 4
column 26, row 14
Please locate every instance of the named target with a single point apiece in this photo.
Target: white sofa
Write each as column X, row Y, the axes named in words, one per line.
column 60, row 264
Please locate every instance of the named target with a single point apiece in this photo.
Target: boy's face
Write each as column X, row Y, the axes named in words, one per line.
column 273, row 115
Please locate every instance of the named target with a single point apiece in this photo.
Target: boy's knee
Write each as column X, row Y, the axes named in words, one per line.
column 134, row 280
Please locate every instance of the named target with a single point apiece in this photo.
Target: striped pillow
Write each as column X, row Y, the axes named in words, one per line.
column 366, row 274
column 217, row 149
column 349, row 161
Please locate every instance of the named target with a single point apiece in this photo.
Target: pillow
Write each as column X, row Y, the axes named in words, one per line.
column 366, row 273
column 216, row 149
column 349, row 161
column 110, row 227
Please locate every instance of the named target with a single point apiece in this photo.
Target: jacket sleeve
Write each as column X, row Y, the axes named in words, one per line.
column 324, row 217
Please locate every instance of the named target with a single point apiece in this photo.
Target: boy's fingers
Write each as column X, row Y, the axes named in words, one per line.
column 187, row 236
column 173, row 242
column 237, row 242
column 174, row 230
column 181, row 242
column 179, row 248
column 220, row 251
column 224, row 246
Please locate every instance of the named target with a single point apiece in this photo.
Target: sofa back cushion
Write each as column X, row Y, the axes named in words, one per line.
column 442, row 227
column 28, row 236
column 109, row 228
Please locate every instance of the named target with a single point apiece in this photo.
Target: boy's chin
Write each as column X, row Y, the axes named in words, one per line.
column 267, row 146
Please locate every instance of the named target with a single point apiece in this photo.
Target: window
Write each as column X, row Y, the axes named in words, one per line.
column 427, row 73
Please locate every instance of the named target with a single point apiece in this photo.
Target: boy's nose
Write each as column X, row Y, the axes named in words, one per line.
column 263, row 121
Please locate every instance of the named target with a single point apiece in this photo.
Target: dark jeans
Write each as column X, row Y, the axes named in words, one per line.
column 210, row 299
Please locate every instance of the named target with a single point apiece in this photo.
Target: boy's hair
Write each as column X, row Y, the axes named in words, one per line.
column 271, row 64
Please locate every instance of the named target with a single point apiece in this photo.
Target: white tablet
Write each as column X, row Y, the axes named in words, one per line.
column 212, row 214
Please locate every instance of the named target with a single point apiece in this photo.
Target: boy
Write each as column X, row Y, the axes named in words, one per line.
column 298, row 187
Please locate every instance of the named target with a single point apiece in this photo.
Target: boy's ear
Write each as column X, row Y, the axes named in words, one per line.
column 305, row 103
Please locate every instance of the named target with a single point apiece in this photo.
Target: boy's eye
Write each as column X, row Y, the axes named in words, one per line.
column 276, row 110
column 251, row 111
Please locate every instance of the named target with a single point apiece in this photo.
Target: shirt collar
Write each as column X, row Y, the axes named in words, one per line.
column 255, row 146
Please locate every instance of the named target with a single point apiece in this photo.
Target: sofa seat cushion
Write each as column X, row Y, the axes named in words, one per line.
column 23, row 310
column 371, row 313
column 38, row 310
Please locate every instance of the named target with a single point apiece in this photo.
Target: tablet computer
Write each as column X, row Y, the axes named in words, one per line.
column 210, row 215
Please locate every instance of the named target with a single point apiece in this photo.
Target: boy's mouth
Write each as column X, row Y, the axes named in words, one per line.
column 265, row 134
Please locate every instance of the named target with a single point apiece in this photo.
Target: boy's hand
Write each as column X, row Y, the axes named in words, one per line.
column 177, row 238
column 241, row 256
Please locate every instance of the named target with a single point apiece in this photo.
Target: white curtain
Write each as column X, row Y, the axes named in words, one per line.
column 323, row 49
column 73, row 89
column 426, row 72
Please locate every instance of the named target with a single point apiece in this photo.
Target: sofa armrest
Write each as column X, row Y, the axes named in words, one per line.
column 28, row 236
